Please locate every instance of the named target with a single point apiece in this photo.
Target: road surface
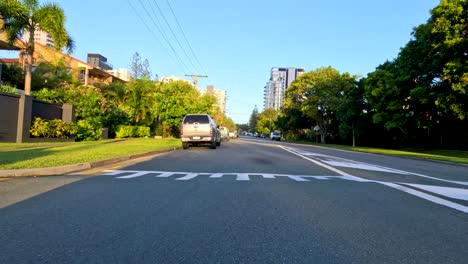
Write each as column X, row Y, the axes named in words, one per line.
column 249, row 201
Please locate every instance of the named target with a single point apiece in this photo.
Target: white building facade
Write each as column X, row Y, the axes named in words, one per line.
column 280, row 79
column 40, row 37
column 219, row 94
column 122, row 73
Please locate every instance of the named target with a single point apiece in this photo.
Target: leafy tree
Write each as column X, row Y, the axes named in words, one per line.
column 136, row 66
column 253, row 120
column 351, row 110
column 140, row 101
column 13, row 75
column 146, row 70
column 319, row 95
column 266, row 121
column 48, row 75
column 28, row 15
column 116, row 93
column 173, row 100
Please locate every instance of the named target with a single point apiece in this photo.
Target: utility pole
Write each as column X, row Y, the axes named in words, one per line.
column 195, row 78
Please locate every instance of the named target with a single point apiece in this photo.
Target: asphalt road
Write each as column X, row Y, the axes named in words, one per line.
column 249, row 201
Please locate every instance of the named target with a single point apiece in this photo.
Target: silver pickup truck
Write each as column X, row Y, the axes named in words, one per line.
column 199, row 129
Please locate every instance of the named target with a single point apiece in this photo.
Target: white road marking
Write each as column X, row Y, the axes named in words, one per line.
column 163, row 174
column 217, row 175
column 297, row 178
column 189, row 176
column 455, row 193
column 419, row 194
column 428, row 197
column 340, row 162
column 242, row 177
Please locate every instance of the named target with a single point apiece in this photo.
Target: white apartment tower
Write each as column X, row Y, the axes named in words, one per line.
column 40, row 37
column 280, row 79
column 219, row 94
column 121, row 73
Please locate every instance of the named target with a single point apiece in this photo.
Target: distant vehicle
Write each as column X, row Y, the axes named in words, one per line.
column 275, row 135
column 224, row 133
column 232, row 134
column 198, row 129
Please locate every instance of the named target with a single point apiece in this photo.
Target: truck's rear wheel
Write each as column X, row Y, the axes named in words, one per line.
column 213, row 145
column 185, row 145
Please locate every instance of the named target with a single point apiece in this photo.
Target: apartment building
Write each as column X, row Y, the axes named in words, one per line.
column 219, row 94
column 99, row 61
column 121, row 73
column 40, row 36
column 280, row 79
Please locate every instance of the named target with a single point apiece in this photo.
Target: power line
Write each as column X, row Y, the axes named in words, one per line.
column 178, row 59
column 185, row 37
column 173, row 34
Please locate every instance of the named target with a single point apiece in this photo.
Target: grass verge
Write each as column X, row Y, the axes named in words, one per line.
column 457, row 156
column 43, row 155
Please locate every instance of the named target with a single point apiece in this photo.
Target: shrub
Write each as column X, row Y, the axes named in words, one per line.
column 55, row 128
column 114, row 118
column 8, row 89
column 88, row 130
column 132, row 131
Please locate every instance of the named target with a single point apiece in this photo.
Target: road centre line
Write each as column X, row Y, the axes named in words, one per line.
column 405, row 189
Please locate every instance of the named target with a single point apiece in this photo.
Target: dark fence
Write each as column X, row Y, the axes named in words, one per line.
column 46, row 110
column 8, row 117
column 17, row 112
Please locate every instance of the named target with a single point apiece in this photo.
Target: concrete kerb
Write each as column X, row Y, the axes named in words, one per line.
column 61, row 170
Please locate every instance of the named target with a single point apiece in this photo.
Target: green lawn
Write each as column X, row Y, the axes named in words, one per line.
column 457, row 156
column 41, row 155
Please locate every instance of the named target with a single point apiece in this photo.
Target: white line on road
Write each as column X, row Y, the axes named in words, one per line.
column 242, row 177
column 419, row 194
column 189, row 176
column 454, row 193
column 428, row 197
column 340, row 162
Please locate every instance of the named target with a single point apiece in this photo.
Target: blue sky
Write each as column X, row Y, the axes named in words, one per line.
column 237, row 42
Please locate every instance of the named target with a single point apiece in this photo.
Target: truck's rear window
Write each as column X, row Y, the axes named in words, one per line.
column 201, row 119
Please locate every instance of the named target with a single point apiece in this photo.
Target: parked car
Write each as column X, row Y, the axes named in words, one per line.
column 198, row 129
column 224, row 133
column 275, row 135
column 233, row 134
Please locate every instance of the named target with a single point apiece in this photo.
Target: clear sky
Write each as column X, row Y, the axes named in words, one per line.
column 238, row 42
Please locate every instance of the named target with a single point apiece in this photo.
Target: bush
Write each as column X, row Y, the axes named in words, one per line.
column 114, row 118
column 8, row 89
column 55, row 128
column 88, row 130
column 132, row 131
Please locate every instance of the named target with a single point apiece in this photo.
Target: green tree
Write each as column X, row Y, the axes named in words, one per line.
column 173, row 100
column 319, row 95
column 140, row 101
column 266, row 121
column 12, row 75
column 146, row 70
column 351, row 110
column 253, row 120
column 116, row 93
column 29, row 15
column 136, row 66
column 48, row 75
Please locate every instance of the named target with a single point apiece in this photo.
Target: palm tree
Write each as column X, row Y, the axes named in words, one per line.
column 27, row 15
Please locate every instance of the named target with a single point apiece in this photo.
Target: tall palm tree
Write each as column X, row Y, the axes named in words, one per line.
column 27, row 15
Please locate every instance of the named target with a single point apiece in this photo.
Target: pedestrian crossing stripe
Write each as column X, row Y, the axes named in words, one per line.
column 184, row 176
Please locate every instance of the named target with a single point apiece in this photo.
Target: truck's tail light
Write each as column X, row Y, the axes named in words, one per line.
column 181, row 131
column 211, row 130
